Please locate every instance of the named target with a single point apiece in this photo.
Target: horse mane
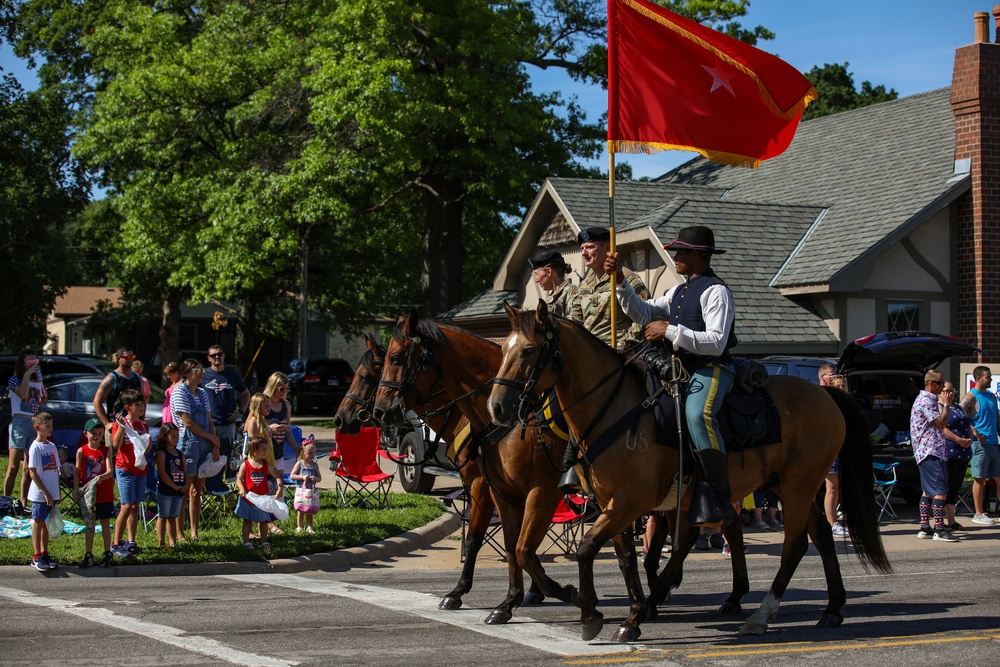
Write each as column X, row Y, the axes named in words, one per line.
column 431, row 332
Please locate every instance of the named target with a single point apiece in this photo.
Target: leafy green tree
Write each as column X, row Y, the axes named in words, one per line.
column 837, row 91
column 40, row 188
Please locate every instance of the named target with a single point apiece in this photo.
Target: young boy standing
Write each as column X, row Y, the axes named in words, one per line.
column 43, row 467
column 93, row 462
column 131, row 477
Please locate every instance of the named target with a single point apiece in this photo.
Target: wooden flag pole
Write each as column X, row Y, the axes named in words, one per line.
column 611, row 248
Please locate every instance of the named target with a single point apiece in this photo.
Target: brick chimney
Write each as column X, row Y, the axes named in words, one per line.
column 975, row 101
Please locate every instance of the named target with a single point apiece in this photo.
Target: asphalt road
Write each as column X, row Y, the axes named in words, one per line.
column 936, row 610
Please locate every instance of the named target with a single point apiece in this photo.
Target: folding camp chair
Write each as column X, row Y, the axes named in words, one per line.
column 217, row 499
column 885, row 482
column 459, row 501
column 359, row 472
column 965, row 494
column 566, row 528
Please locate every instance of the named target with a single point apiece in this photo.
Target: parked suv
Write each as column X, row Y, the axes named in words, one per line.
column 54, row 366
column 318, row 383
column 885, row 373
column 806, row 368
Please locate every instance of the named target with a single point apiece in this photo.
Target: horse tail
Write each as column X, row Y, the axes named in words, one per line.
column 857, row 481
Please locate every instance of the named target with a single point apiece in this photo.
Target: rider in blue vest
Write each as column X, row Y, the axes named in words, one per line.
column 696, row 317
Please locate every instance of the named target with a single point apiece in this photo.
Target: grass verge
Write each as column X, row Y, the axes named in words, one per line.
column 220, row 537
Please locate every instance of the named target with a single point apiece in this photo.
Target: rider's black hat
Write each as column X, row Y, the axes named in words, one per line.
column 696, row 237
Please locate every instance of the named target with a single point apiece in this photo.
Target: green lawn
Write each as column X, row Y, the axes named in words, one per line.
column 220, row 536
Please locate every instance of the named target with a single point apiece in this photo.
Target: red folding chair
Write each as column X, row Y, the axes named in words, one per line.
column 359, row 472
column 566, row 528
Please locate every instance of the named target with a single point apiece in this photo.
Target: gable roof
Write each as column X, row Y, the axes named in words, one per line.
column 81, row 300
column 878, row 170
column 487, row 304
column 764, row 316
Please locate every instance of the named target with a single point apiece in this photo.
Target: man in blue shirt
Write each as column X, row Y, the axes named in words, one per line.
column 981, row 406
column 229, row 396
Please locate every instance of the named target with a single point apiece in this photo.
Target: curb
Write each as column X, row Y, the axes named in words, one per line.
column 340, row 560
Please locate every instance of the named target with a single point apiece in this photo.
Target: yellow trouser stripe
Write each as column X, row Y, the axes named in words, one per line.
column 713, row 437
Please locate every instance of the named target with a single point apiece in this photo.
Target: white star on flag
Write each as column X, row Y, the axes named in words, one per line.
column 720, row 79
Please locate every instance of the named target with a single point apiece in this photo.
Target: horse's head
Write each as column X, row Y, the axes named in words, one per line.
column 356, row 408
column 404, row 380
column 530, row 366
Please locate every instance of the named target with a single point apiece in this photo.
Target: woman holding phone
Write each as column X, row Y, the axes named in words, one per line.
column 27, row 396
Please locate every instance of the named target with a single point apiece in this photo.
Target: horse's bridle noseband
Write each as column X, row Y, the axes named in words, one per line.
column 549, row 353
column 410, row 372
column 365, row 411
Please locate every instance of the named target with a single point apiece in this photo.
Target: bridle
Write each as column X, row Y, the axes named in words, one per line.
column 364, row 413
column 549, row 353
column 411, row 370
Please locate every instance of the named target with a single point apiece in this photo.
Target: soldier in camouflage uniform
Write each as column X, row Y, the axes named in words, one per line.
column 592, row 303
column 549, row 272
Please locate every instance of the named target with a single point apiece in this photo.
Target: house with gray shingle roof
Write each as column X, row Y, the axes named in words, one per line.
column 875, row 219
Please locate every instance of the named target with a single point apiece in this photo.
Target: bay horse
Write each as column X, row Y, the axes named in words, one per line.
column 356, row 409
column 633, row 474
column 520, row 468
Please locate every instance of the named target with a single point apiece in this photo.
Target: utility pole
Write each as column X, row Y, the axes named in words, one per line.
column 304, row 299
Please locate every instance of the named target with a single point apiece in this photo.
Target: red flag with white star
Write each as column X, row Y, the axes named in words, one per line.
column 676, row 84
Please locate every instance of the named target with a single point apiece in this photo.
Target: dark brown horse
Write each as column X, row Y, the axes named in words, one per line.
column 633, row 474
column 521, row 469
column 356, row 408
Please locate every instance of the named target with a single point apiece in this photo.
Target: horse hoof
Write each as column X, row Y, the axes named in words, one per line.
column 751, row 627
column 625, row 635
column 498, row 617
column 450, row 603
column 592, row 629
column 830, row 621
column 729, row 608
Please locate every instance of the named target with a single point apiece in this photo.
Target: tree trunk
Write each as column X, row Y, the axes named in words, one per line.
column 246, row 336
column 444, row 252
column 170, row 327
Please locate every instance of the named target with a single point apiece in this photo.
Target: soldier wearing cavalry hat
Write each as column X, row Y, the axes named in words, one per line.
column 592, row 303
column 696, row 318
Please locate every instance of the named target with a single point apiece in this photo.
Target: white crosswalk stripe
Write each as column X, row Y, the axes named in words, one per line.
column 161, row 633
column 521, row 630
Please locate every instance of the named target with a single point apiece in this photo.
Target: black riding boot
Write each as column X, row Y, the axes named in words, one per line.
column 711, row 501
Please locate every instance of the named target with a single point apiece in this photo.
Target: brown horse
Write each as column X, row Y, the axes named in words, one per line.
column 520, row 469
column 633, row 474
column 355, row 409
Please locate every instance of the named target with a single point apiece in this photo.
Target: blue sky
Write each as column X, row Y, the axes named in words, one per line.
column 906, row 45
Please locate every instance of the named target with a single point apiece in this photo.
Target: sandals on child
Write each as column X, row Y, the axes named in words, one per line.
column 265, row 545
column 249, row 546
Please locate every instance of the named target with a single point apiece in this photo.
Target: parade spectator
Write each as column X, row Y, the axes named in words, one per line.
column 191, row 408
column 139, row 368
column 256, row 425
column 93, row 462
column 253, row 477
column 958, row 434
column 107, row 399
column 831, row 500
column 130, row 470
column 279, row 419
column 928, row 419
column 43, row 492
column 230, row 397
column 981, row 406
column 171, row 485
column 27, row 395
column 172, row 377
column 306, row 472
